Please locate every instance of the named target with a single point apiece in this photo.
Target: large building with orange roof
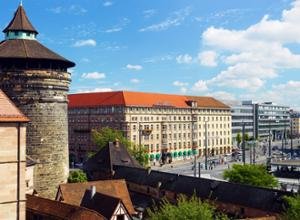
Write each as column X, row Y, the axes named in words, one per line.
column 171, row 127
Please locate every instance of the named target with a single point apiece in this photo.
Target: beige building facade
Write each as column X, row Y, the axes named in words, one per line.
column 296, row 124
column 170, row 127
column 12, row 160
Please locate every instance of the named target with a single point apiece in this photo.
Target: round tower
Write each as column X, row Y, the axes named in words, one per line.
column 37, row 81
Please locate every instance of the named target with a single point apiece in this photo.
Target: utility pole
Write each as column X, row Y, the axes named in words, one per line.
column 243, row 145
column 195, row 166
column 254, row 152
column 269, row 156
column 199, row 169
column 250, row 150
column 206, row 145
column 292, row 152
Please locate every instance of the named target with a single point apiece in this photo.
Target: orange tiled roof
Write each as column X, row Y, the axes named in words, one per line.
column 58, row 210
column 8, row 111
column 126, row 98
column 72, row 193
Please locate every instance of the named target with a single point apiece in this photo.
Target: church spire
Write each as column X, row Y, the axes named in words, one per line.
column 20, row 27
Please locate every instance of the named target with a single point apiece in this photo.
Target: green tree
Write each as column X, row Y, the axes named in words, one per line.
column 255, row 175
column 192, row 209
column 105, row 135
column 77, row 176
column 293, row 208
column 246, row 137
column 238, row 139
column 140, row 154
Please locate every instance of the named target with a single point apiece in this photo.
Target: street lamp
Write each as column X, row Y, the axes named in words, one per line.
column 243, row 144
column 206, row 144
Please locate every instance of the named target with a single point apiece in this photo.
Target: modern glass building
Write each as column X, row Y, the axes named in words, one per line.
column 271, row 119
column 243, row 114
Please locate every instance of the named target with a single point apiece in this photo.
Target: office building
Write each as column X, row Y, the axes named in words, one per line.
column 171, row 127
column 242, row 114
column 271, row 119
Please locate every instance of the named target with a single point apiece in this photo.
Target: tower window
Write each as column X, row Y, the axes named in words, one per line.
column 16, row 33
column 28, row 34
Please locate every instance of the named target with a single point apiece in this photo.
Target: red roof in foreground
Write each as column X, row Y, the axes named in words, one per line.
column 8, row 111
column 51, row 209
column 126, row 98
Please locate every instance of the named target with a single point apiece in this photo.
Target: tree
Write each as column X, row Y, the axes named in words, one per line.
column 238, row 139
column 293, row 208
column 191, row 209
column 255, row 175
column 246, row 137
column 140, row 154
column 77, row 176
column 105, row 135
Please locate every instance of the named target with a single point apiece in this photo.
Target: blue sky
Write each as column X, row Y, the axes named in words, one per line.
column 229, row 49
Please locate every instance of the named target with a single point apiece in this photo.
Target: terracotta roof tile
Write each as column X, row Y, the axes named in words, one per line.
column 8, row 111
column 29, row 49
column 20, row 22
column 58, row 210
column 72, row 193
column 126, row 98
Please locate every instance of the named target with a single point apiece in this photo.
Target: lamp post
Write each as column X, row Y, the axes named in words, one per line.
column 243, row 144
column 206, row 144
column 292, row 153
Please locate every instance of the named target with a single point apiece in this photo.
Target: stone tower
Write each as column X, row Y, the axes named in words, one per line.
column 37, row 81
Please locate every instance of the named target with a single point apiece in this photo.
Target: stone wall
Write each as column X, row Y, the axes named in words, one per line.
column 42, row 96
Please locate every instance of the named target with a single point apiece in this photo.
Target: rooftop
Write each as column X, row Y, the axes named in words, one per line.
column 73, row 193
column 20, row 22
column 58, row 210
column 141, row 99
column 243, row 195
column 109, row 156
column 8, row 111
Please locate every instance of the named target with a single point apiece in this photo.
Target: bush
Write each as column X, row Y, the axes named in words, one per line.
column 77, row 176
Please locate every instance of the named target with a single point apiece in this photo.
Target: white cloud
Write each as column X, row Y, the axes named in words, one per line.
column 93, row 75
column 119, row 27
column 175, row 19
column 208, row 58
column 107, row 3
column 112, row 30
column 200, row 86
column 182, row 85
column 149, row 13
column 185, row 58
column 84, row 43
column 72, row 9
column 135, row 81
column 56, row 10
column 178, row 83
column 85, row 60
column 254, row 54
column 284, row 93
column 95, row 90
column 222, row 95
column 134, row 67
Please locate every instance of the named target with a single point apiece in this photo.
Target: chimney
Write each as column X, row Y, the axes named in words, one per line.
column 116, row 142
column 93, row 191
column 148, row 170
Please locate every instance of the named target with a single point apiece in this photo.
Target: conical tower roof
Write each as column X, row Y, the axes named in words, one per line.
column 20, row 22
